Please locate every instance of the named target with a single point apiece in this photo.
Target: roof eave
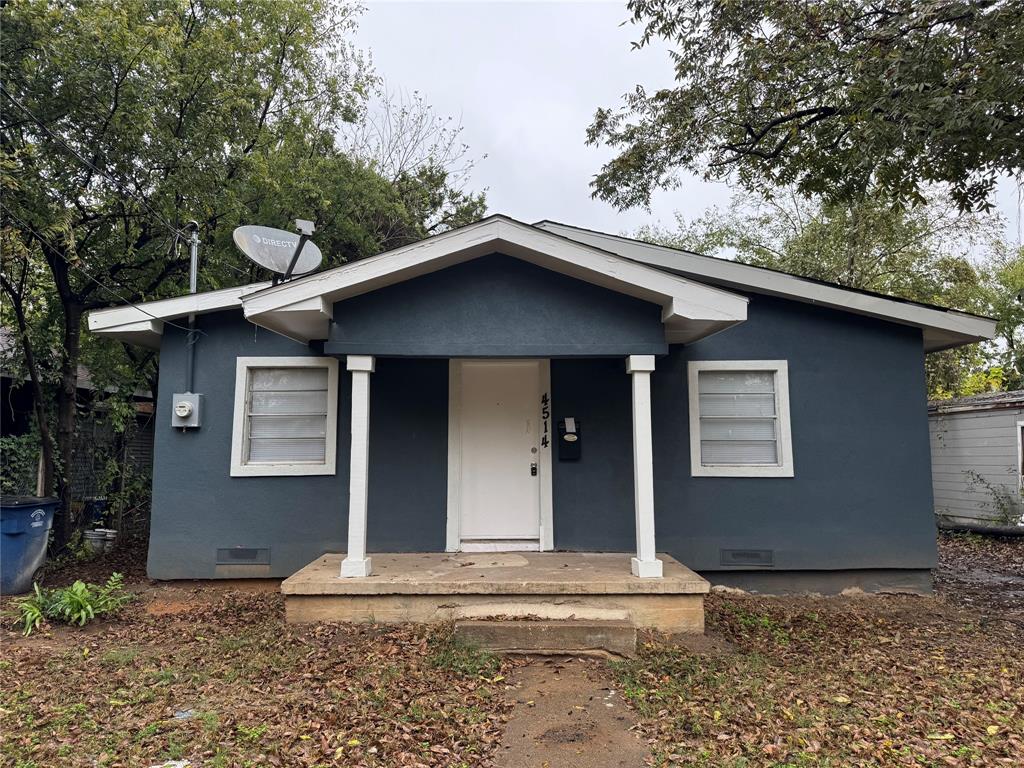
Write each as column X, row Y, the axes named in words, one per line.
column 941, row 328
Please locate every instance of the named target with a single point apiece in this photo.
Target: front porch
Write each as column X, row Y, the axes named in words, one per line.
column 432, row 587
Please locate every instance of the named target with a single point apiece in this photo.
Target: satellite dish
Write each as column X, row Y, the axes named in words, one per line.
column 274, row 249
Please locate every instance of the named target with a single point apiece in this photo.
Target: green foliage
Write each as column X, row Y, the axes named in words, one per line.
column 450, row 653
column 78, row 604
column 922, row 254
column 121, row 122
column 834, row 97
column 1004, row 500
column 33, row 610
column 19, row 460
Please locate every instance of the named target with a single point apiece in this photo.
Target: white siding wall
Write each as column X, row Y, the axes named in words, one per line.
column 983, row 442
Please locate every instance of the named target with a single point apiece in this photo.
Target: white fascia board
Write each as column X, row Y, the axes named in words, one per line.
column 682, row 299
column 142, row 323
column 943, row 328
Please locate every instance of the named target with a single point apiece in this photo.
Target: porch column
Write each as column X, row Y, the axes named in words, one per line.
column 645, row 564
column 356, row 563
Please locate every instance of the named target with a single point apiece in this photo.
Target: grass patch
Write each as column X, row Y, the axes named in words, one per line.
column 449, row 653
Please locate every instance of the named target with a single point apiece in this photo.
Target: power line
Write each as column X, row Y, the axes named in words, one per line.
column 96, row 280
column 88, row 163
column 178, row 233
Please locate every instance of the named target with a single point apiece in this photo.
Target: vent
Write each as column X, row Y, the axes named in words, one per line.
column 761, row 558
column 243, row 556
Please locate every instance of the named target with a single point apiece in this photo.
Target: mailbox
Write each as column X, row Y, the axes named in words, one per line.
column 570, row 441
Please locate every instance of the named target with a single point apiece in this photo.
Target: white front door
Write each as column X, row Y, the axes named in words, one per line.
column 498, row 417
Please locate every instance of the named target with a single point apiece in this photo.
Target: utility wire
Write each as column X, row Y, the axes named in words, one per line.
column 98, row 282
column 178, row 233
column 88, row 163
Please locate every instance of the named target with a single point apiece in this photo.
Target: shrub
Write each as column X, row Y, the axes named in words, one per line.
column 78, row 604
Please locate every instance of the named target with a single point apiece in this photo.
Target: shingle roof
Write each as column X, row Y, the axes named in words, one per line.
column 983, row 401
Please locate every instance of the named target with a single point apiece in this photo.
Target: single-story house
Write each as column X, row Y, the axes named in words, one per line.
column 544, row 389
column 978, row 460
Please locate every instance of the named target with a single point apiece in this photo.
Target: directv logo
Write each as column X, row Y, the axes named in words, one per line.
column 268, row 241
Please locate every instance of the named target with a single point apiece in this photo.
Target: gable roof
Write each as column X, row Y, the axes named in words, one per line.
column 302, row 309
column 692, row 289
column 942, row 328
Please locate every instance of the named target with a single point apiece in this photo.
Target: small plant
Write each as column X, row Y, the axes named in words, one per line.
column 1006, row 500
column 78, row 604
column 251, row 733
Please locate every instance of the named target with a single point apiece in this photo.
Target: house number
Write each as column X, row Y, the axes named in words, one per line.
column 545, row 417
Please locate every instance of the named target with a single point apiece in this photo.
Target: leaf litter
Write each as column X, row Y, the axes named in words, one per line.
column 883, row 680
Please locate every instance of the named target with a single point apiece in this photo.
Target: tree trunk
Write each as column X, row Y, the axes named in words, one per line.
column 38, row 400
column 64, row 522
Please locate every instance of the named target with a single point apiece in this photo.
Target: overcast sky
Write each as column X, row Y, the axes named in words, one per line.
column 525, row 79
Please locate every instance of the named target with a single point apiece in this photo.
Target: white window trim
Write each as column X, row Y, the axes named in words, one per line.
column 785, row 441
column 238, row 467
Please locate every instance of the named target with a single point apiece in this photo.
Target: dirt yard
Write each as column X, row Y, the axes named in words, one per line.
column 213, row 675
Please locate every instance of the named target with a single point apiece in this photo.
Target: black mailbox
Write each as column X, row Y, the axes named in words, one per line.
column 569, row 439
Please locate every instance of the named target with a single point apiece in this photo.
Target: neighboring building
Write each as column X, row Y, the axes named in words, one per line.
column 769, row 430
column 978, row 459
column 97, row 443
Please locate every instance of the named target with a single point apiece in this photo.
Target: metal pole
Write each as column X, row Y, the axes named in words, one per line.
column 295, row 257
column 193, row 279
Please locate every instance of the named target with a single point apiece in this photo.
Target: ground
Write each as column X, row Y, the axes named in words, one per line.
column 212, row 674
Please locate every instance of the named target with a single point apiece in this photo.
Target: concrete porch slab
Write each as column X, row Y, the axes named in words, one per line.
column 430, row 587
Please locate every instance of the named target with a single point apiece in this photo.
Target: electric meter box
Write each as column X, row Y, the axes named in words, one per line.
column 186, row 410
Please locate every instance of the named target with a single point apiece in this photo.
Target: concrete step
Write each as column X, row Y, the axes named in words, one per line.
column 570, row 636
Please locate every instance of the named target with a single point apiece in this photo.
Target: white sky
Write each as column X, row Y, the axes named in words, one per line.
column 525, row 79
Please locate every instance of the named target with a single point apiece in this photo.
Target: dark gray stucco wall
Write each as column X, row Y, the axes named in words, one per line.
column 495, row 306
column 198, row 507
column 861, row 494
column 407, row 505
column 860, row 498
column 593, row 497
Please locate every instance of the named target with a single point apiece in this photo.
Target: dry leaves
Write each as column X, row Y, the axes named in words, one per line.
column 228, row 683
column 866, row 681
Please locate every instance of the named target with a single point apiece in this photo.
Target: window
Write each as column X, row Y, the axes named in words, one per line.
column 286, row 416
column 739, row 419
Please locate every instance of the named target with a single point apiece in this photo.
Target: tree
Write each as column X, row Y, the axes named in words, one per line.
column 834, row 98
column 422, row 154
column 931, row 254
column 123, row 121
column 1005, row 286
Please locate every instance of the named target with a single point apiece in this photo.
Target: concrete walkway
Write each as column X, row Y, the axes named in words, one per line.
column 568, row 714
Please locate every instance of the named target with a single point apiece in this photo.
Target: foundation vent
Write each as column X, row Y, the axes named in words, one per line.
column 243, row 556
column 759, row 558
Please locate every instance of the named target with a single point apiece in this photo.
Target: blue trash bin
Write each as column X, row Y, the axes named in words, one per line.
column 24, row 531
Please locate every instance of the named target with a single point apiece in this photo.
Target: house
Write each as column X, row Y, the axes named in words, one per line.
column 541, row 394
column 978, row 460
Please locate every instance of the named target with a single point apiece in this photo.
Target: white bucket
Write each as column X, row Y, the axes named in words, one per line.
column 95, row 541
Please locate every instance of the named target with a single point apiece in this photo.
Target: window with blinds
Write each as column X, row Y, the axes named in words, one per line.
column 285, row 416
column 739, row 417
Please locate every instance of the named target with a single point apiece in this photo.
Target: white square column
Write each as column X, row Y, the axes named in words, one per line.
column 356, row 563
column 645, row 564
